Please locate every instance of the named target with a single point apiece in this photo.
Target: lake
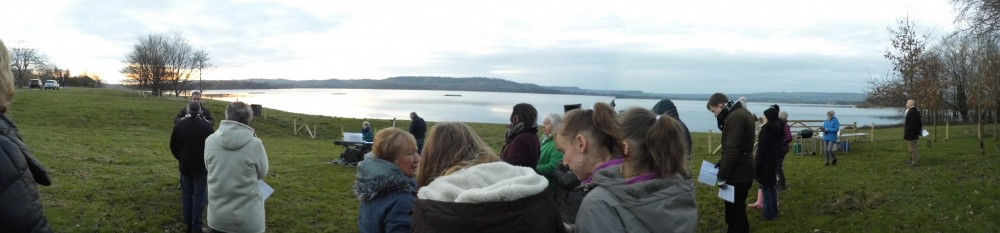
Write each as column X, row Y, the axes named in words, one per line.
column 495, row 107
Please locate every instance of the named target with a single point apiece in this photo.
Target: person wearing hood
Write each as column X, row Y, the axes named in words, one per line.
column 522, row 145
column 736, row 168
column 667, row 107
column 769, row 148
column 464, row 187
column 647, row 192
column 385, row 185
column 20, row 172
column 236, row 162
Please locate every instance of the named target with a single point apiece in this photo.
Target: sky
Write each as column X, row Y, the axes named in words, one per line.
column 663, row 46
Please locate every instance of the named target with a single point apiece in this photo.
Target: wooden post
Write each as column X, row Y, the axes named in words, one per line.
column 873, row 133
column 709, row 147
column 947, row 130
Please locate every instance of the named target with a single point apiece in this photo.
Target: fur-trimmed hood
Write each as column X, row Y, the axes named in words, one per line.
column 488, row 182
column 378, row 177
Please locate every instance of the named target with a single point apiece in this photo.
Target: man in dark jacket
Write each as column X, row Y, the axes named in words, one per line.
column 20, row 204
column 187, row 143
column 419, row 130
column 911, row 130
column 195, row 99
column 736, row 168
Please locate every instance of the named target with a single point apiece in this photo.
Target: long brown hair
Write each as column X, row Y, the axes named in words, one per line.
column 451, row 146
column 599, row 124
column 655, row 142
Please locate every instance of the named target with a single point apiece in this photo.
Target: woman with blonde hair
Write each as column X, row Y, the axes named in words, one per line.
column 20, row 171
column 385, row 185
column 648, row 191
column 462, row 181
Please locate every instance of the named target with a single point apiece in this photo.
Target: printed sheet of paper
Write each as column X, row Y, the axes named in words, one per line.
column 728, row 193
column 265, row 189
column 708, row 173
column 924, row 133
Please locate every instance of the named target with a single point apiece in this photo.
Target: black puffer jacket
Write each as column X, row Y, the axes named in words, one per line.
column 20, row 205
column 187, row 144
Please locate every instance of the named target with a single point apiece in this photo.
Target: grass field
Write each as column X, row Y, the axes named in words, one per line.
column 112, row 170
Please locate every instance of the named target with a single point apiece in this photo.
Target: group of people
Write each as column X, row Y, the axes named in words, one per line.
column 220, row 169
column 594, row 170
column 628, row 172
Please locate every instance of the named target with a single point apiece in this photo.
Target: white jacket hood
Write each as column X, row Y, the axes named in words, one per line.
column 488, row 182
column 234, row 135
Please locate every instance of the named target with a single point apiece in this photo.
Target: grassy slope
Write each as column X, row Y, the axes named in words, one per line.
column 107, row 152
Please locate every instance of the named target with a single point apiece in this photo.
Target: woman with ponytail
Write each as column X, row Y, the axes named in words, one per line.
column 590, row 140
column 647, row 192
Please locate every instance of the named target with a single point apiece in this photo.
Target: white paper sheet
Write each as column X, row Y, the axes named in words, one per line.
column 708, row 174
column 265, row 189
column 924, row 133
column 727, row 193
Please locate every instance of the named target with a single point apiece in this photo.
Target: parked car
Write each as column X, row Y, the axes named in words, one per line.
column 35, row 83
column 51, row 84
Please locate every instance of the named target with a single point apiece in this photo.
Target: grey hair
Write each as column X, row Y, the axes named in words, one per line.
column 830, row 112
column 553, row 118
column 783, row 115
column 239, row 112
column 366, row 124
column 743, row 100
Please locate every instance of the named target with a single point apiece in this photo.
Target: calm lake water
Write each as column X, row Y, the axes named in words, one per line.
column 495, row 107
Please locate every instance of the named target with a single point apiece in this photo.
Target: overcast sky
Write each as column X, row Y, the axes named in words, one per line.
column 654, row 46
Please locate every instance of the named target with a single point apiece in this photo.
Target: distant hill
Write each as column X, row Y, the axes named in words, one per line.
column 402, row 83
column 501, row 85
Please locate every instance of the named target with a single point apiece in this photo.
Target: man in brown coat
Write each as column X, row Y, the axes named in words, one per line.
column 736, row 167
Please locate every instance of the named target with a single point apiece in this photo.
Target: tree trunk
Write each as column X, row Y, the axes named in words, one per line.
column 979, row 127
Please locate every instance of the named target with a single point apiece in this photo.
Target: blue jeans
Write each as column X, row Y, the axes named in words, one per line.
column 194, row 199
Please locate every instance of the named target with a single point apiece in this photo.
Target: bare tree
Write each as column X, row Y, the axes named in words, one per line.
column 958, row 66
column 161, row 62
column 24, row 62
column 980, row 16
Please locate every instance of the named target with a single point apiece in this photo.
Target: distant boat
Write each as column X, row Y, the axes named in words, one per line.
column 256, row 92
column 453, row 95
column 338, row 93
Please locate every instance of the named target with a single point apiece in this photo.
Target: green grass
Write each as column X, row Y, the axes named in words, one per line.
column 112, row 170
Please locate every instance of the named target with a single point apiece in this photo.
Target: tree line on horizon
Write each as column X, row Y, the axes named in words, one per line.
column 953, row 78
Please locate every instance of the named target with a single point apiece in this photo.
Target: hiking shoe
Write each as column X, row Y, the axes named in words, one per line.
column 834, row 162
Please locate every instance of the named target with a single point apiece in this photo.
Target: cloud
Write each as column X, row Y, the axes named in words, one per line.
column 234, row 33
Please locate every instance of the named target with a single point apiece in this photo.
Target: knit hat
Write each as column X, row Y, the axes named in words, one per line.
column 771, row 113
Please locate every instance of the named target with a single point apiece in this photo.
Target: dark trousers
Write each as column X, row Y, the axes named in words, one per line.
column 770, row 202
column 194, row 200
column 420, row 146
column 736, row 213
column 781, row 170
